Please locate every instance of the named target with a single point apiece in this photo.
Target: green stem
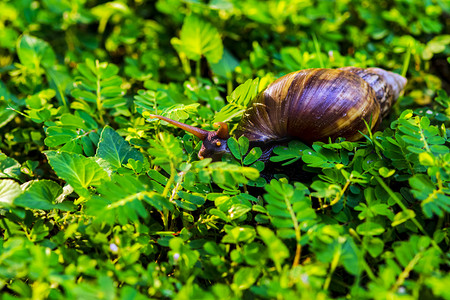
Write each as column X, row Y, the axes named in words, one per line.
column 298, row 235
column 423, row 136
column 405, row 274
column 98, row 94
column 407, row 60
column 229, row 86
column 405, row 209
column 334, row 264
column 198, row 70
column 366, row 266
column 317, row 47
column 171, row 180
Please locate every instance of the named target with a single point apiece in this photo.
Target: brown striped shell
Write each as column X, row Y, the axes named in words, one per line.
column 309, row 105
column 317, row 104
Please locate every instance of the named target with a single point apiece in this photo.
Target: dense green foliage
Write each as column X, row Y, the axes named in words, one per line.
column 97, row 201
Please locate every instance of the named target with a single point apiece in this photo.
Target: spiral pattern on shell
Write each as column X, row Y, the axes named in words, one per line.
column 317, row 104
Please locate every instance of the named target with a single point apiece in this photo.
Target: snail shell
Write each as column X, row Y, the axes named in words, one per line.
column 309, row 105
column 317, row 104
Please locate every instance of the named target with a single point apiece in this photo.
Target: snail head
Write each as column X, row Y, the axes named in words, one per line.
column 214, row 142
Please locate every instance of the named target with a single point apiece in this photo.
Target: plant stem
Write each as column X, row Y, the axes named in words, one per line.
column 298, row 250
column 401, row 278
column 198, row 70
column 99, row 95
column 171, row 180
column 405, row 209
column 334, row 264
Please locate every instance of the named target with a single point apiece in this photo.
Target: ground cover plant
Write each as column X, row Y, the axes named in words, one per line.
column 99, row 201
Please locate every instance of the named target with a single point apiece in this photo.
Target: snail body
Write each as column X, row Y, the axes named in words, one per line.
column 309, row 105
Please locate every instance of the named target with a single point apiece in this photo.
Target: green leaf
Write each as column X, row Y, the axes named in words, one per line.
column 402, row 217
column 239, row 234
column 197, row 200
column 220, row 214
column 315, row 159
column 122, row 199
column 115, row 150
column 225, row 67
column 233, row 145
column 426, row 159
column 57, row 136
column 252, row 156
column 385, row 172
column 245, row 277
column 78, row 171
column 9, row 167
column 243, row 145
column 9, row 190
column 84, row 95
column 370, row 228
column 33, row 52
column 41, row 195
column 291, row 153
column 166, row 148
column 373, row 245
column 433, row 201
column 6, row 98
column 439, row 149
column 238, row 101
column 199, row 38
column 422, row 183
column 277, row 251
column 238, row 210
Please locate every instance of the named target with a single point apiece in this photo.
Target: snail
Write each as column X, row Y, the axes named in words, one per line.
column 308, row 105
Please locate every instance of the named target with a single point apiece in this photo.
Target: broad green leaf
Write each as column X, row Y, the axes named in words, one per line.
column 115, row 150
column 9, row 190
column 6, row 114
column 42, row 194
column 199, row 38
column 78, row 171
column 57, row 136
column 33, row 52
column 9, row 167
column 39, row 195
column 225, row 67
column 88, row 146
